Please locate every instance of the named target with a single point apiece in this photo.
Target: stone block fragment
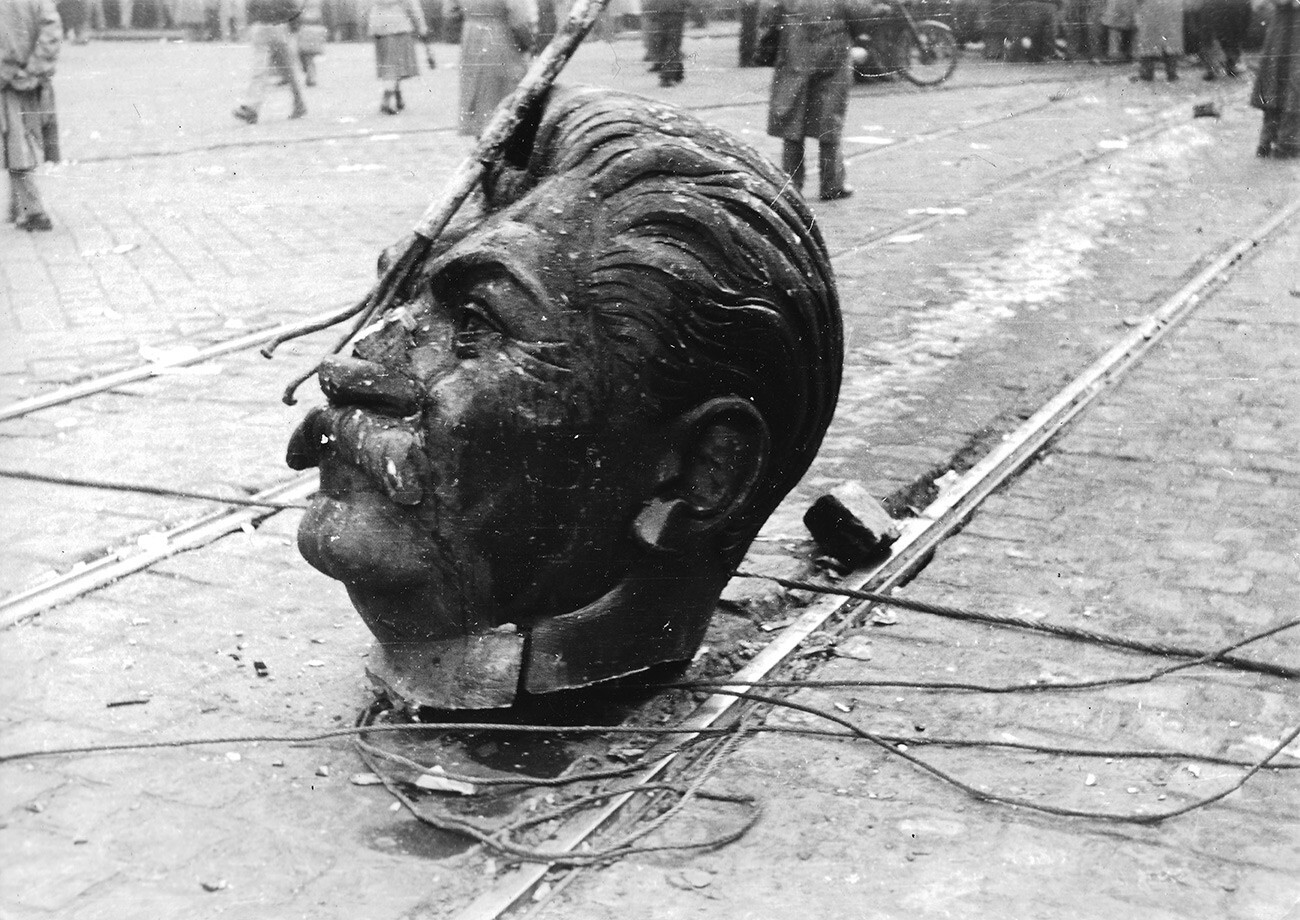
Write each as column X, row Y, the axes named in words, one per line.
column 851, row 525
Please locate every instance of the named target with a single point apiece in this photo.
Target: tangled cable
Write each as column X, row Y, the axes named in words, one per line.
column 511, row 840
column 505, row 840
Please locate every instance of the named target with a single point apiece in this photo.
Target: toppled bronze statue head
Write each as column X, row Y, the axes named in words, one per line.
column 540, row 470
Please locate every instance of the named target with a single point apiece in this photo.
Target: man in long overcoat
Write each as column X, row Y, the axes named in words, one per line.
column 1159, row 37
column 1277, row 84
column 30, row 36
column 810, row 86
column 665, row 22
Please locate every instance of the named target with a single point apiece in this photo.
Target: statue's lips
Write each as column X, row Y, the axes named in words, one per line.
column 385, row 448
column 362, row 527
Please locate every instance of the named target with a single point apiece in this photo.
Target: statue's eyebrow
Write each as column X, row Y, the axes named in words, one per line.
column 455, row 269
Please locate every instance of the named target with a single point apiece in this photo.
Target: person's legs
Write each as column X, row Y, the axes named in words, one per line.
column 1171, row 66
column 25, row 201
column 830, row 166
column 281, row 60
column 1268, row 133
column 260, row 76
column 1147, row 69
column 792, row 162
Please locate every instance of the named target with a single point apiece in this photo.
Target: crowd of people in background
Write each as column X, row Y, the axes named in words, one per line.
column 809, row 89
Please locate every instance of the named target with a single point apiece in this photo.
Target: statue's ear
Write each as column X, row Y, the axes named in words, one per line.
column 714, row 460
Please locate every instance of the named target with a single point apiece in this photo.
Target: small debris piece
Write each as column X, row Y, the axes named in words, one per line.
column 365, row 779
column 36, row 807
column 219, row 885
column 779, row 624
column 855, row 647
column 1132, row 790
column 851, row 525
column 947, row 480
column 315, row 663
column 542, row 891
column 115, row 703
column 884, row 618
column 434, row 782
column 690, row 879
column 234, row 756
column 1194, row 770
column 843, row 707
column 323, row 770
column 277, row 763
column 1090, row 779
column 260, row 668
column 1206, row 110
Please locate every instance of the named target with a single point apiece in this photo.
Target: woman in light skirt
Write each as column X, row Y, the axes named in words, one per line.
column 395, row 24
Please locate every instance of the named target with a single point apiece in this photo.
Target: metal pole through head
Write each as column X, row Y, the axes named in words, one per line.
column 496, row 135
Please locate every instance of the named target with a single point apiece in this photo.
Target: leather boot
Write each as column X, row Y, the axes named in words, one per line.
column 792, row 162
column 830, row 166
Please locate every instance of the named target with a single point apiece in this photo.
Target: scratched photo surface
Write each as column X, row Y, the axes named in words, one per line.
column 715, row 459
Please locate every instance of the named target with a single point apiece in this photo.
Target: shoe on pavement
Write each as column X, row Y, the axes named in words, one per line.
column 844, row 191
column 246, row 114
column 298, row 111
column 36, row 222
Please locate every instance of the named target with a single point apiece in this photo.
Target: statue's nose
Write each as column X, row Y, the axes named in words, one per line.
column 357, row 382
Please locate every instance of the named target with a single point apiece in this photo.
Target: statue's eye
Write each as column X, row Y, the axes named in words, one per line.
column 473, row 324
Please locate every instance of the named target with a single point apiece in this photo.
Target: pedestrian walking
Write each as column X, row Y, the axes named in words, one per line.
column 1225, row 23
column 496, row 40
column 665, row 23
column 273, row 56
column 1032, row 33
column 1159, row 37
column 234, row 19
column 749, row 16
column 311, row 38
column 1085, row 36
column 1277, row 83
column 1120, row 20
column 73, row 15
column 394, row 25
column 30, row 36
column 192, row 16
column 810, row 86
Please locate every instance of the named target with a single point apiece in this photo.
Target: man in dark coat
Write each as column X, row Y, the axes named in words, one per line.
column 810, row 86
column 1224, row 21
column 665, row 20
column 30, row 36
column 1277, row 84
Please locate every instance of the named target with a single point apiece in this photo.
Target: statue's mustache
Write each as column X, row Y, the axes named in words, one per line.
column 387, row 450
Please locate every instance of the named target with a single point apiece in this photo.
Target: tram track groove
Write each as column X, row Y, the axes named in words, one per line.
column 919, row 538
column 1076, row 159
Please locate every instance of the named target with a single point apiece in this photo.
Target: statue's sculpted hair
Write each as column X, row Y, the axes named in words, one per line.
column 708, row 277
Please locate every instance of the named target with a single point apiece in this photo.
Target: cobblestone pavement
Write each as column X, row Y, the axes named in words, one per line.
column 1160, row 515
column 178, row 226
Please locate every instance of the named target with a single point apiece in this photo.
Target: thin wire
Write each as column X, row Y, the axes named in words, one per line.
column 142, row 489
column 1029, row 687
column 936, row 741
column 1067, row 632
column 1013, row 801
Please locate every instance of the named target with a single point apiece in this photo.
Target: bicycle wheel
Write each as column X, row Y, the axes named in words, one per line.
column 931, row 55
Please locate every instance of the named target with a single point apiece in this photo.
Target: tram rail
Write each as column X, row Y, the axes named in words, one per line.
column 920, row 536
